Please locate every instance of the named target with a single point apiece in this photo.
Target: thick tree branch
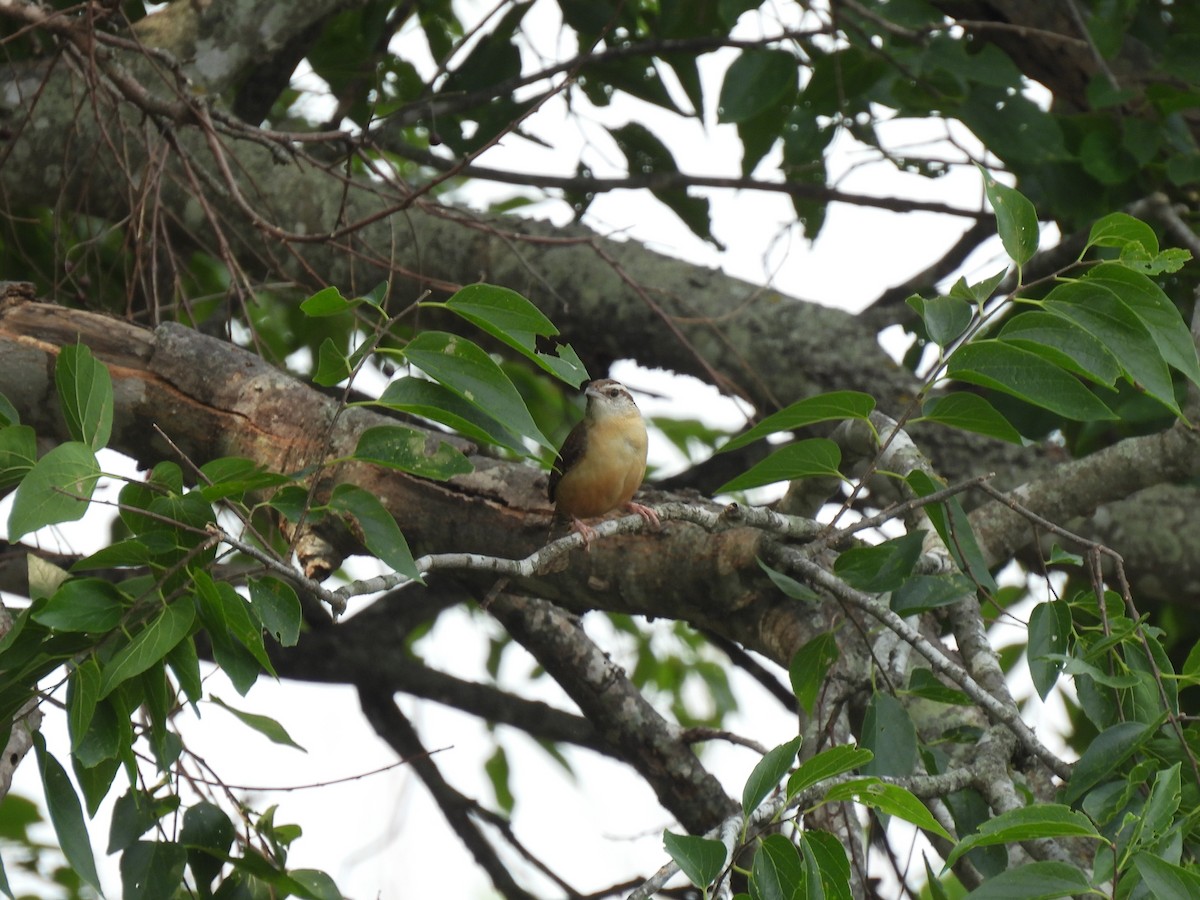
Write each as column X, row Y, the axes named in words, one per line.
column 607, row 698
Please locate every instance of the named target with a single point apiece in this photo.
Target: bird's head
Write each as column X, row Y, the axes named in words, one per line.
column 607, row 398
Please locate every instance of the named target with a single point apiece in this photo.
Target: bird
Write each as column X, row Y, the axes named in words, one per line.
column 603, row 460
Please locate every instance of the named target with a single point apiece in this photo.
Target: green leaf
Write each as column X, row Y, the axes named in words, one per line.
column 700, row 859
column 51, row 492
column 1064, row 343
column 317, row 884
column 83, row 604
column 333, row 366
column 506, row 315
column 1049, row 634
column 827, row 764
column 378, row 529
column 777, row 871
column 65, row 814
column 108, row 735
column 151, row 870
column 883, row 567
column 1120, row 230
column 410, row 450
column 438, row 404
column 790, row 586
column 1104, row 755
column 1027, row 376
column 228, row 617
column 18, row 453
column 888, row 732
column 969, row 412
column 278, row 608
column 1163, row 803
column 185, row 663
column 497, row 769
column 86, row 395
column 83, row 692
column 8, row 413
column 1036, row 881
column 470, row 373
column 979, row 292
column 264, row 725
column 233, row 476
column 44, row 577
column 1166, row 880
column 923, row 683
column 1027, row 823
column 950, row 521
column 828, row 407
column 768, row 772
column 1016, row 219
column 150, row 645
column 921, row 593
column 804, row 459
column 646, row 156
column 832, row 865
column 207, row 834
column 945, row 318
column 890, row 799
column 1099, row 311
column 1156, row 310
column 755, row 82
column 809, row 666
column 134, row 813
column 326, row 302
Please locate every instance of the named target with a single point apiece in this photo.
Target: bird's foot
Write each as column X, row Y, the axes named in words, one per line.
column 646, row 513
column 587, row 532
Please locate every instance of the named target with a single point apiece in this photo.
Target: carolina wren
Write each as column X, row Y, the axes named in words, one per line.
column 603, row 460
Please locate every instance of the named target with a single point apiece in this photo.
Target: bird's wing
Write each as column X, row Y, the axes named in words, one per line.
column 571, row 452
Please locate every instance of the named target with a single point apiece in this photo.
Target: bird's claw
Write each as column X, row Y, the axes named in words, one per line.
column 646, row 513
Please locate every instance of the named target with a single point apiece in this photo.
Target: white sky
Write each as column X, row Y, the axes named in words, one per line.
column 381, row 837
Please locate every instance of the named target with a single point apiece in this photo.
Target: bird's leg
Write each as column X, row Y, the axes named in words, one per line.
column 645, row 512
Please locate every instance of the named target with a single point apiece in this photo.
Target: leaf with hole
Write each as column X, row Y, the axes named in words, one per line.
column 509, row 317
